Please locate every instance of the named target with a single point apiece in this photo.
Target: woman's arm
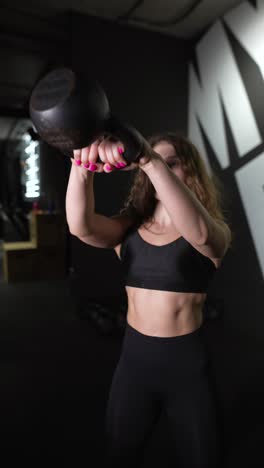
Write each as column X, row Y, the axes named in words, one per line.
column 189, row 216
column 90, row 227
column 79, row 201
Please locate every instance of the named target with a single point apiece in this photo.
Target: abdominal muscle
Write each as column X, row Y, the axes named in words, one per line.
column 164, row 313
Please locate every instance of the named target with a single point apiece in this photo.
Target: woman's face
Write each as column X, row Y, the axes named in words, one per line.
column 168, row 153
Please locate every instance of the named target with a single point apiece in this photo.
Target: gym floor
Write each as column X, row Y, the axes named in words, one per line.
column 55, row 373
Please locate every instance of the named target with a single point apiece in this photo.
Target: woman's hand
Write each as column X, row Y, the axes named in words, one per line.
column 102, row 156
column 111, row 157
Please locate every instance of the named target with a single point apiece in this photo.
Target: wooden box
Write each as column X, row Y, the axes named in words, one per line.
column 22, row 261
column 47, row 229
column 41, row 258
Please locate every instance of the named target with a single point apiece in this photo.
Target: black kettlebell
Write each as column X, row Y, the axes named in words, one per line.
column 71, row 112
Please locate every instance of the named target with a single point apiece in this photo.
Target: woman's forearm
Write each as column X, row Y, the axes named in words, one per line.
column 188, row 215
column 80, row 201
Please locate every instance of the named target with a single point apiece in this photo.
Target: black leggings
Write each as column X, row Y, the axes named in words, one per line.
column 156, row 374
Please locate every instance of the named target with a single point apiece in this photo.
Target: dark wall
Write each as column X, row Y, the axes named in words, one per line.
column 144, row 76
column 54, row 178
column 244, row 278
column 30, row 44
column 240, row 280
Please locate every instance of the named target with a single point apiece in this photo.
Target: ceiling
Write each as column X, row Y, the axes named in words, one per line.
column 184, row 18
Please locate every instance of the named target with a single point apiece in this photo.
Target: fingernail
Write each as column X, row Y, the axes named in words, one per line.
column 78, row 162
column 120, row 150
column 92, row 167
column 109, row 168
column 121, row 164
column 86, row 165
column 117, row 166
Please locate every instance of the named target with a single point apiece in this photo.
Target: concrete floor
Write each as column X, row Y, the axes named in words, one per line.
column 55, row 373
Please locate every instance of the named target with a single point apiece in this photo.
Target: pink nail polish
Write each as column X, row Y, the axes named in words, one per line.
column 121, row 164
column 109, row 168
column 86, row 165
column 117, row 166
column 120, row 150
column 78, row 162
column 92, row 167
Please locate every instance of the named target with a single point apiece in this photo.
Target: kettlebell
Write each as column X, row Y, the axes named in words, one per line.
column 71, row 112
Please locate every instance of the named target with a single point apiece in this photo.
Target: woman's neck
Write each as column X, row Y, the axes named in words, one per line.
column 161, row 218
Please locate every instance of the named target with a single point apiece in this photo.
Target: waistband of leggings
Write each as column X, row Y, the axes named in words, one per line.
column 137, row 335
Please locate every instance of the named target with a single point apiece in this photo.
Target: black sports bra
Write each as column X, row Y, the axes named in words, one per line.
column 176, row 266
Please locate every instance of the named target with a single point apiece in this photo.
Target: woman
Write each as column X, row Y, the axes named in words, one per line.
column 170, row 237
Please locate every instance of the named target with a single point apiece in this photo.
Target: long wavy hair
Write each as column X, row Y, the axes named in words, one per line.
column 141, row 201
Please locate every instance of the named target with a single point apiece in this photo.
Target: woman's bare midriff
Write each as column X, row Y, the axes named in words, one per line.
column 164, row 313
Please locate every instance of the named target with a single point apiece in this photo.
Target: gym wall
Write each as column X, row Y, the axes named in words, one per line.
column 225, row 121
column 30, row 44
